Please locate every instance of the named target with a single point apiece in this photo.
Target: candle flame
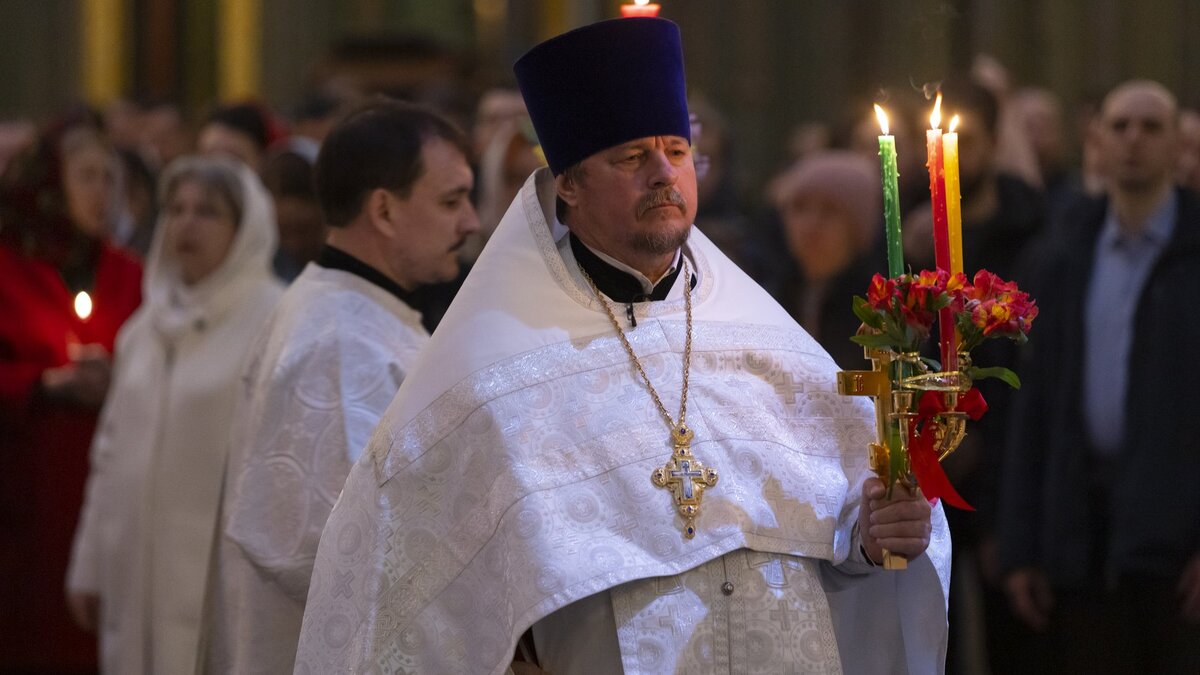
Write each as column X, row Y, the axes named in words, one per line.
column 882, row 117
column 953, row 123
column 83, row 305
column 935, row 118
column 641, row 3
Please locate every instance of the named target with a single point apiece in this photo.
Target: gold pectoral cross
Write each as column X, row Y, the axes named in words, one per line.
column 685, row 477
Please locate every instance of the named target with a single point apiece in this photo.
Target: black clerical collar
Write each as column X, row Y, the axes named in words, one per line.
column 336, row 259
column 617, row 284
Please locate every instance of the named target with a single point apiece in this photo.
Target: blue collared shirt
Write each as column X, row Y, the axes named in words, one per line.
column 1122, row 263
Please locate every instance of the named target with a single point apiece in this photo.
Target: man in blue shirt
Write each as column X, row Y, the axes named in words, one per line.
column 1100, row 515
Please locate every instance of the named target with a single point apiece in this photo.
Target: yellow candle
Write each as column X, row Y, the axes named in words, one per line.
column 953, row 196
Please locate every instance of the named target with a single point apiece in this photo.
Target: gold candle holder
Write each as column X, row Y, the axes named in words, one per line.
column 896, row 383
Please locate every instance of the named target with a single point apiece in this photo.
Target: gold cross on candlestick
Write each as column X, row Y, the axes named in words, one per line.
column 877, row 384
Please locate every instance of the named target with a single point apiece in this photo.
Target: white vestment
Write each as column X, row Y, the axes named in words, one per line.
column 146, row 530
column 330, row 362
column 510, row 478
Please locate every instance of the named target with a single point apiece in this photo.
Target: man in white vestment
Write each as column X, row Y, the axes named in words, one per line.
column 394, row 185
column 618, row 452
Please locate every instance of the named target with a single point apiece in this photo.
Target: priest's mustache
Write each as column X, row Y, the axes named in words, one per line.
column 662, row 197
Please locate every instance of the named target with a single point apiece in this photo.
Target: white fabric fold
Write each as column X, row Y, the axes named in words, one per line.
column 325, row 369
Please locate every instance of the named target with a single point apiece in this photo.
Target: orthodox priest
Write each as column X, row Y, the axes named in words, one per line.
column 394, row 184
column 618, row 452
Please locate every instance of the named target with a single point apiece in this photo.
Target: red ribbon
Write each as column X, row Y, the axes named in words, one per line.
column 925, row 465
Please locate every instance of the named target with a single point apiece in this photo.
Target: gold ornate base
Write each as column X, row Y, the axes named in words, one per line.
column 896, row 383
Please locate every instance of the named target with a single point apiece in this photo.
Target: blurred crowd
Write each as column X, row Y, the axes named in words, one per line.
column 107, row 203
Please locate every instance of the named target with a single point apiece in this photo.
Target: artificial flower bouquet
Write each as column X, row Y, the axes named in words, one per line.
column 929, row 404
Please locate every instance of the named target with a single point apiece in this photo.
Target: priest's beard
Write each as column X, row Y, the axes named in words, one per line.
column 665, row 238
column 661, row 241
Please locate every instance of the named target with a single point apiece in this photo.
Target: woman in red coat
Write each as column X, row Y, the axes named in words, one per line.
column 56, row 201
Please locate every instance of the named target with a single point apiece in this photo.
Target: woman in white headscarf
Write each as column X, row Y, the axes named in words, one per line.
column 140, row 559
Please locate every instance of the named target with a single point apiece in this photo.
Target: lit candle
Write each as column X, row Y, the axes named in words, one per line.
column 891, row 196
column 953, row 198
column 640, row 8
column 941, row 234
column 83, row 305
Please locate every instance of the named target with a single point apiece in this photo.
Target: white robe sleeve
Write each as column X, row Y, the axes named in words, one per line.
column 318, row 416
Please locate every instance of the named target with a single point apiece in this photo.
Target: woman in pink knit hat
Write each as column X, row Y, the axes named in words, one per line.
column 830, row 206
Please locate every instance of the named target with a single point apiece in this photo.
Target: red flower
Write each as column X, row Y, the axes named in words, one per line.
column 993, row 307
column 915, row 306
column 879, row 295
column 931, row 281
column 956, row 288
column 901, row 311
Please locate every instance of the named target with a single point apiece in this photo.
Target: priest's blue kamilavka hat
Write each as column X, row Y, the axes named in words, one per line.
column 603, row 85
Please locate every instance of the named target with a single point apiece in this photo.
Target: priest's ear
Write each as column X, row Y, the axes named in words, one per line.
column 382, row 208
column 568, row 183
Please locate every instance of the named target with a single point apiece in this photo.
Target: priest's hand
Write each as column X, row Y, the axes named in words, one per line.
column 85, row 609
column 84, row 380
column 900, row 525
column 1030, row 596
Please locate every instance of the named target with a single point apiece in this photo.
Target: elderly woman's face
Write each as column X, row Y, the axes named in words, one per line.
column 88, row 182
column 820, row 235
column 200, row 228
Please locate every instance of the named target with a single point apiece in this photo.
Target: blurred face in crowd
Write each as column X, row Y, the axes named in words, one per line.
column 122, row 122
column 635, row 201
column 820, row 235
column 201, row 226
column 219, row 140
column 497, row 108
column 1139, row 136
column 1041, row 118
column 301, row 228
column 710, row 145
column 163, row 135
column 434, row 221
column 89, row 178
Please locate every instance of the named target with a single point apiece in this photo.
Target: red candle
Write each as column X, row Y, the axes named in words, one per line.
column 941, row 230
column 640, row 8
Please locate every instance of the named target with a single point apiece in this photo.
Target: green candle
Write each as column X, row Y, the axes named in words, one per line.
column 891, row 196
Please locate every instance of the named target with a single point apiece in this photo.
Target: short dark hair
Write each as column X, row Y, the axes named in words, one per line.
column 378, row 145
column 245, row 118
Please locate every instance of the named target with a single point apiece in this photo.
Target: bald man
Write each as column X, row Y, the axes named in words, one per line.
column 1100, row 511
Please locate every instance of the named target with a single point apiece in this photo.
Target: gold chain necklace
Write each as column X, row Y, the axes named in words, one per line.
column 684, row 475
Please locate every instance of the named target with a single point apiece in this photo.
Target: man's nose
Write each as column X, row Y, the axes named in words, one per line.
column 470, row 221
column 662, row 172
